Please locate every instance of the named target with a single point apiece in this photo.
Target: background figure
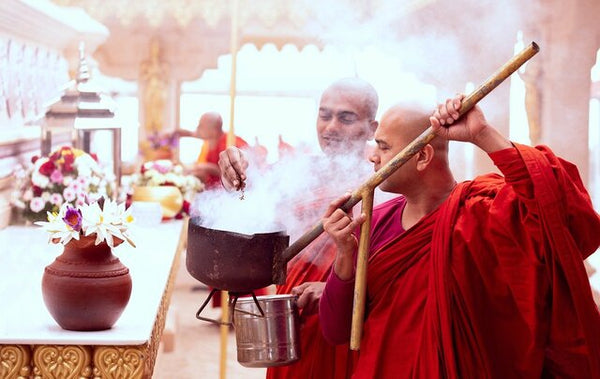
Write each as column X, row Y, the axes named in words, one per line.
column 479, row 279
column 346, row 120
column 210, row 130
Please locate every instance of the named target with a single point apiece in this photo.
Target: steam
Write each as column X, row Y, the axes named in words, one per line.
column 291, row 195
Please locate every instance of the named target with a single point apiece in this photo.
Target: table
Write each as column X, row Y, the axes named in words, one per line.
column 31, row 342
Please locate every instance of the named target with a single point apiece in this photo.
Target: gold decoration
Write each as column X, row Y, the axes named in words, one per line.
column 119, row 362
column 169, row 197
column 56, row 361
column 14, row 361
column 154, row 74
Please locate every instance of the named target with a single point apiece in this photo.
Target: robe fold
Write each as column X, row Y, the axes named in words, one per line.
column 318, row 358
column 492, row 283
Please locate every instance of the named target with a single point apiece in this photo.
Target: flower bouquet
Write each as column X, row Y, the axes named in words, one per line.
column 66, row 175
column 164, row 173
column 87, row 288
column 104, row 219
column 160, row 146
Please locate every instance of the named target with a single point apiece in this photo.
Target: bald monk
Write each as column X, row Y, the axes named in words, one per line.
column 346, row 120
column 210, row 130
column 479, row 279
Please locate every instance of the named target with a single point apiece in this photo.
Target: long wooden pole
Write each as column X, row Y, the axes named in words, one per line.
column 230, row 142
column 409, row 151
column 360, row 281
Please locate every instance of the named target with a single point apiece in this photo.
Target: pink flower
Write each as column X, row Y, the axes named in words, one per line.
column 161, row 168
column 37, row 204
column 56, row 176
column 69, row 194
column 56, row 199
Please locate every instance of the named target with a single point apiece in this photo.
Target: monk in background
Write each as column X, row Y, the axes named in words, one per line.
column 346, row 120
column 479, row 279
column 210, row 130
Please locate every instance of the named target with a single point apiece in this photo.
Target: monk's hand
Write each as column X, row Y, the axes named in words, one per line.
column 233, row 165
column 309, row 294
column 340, row 226
column 471, row 127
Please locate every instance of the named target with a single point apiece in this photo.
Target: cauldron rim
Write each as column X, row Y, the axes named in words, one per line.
column 197, row 222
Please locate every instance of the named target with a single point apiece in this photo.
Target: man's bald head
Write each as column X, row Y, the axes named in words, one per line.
column 210, row 125
column 359, row 89
column 409, row 121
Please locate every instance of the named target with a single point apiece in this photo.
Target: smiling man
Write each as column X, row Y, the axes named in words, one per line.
column 346, row 120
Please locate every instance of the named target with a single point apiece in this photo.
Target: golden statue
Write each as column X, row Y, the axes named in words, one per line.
column 154, row 75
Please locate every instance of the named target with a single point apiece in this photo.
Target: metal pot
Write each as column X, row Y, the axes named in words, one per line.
column 232, row 261
column 267, row 333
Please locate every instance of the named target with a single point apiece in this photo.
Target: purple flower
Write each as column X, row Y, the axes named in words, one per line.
column 73, row 218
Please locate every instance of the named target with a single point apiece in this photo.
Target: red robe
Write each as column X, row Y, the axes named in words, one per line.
column 492, row 283
column 212, row 156
column 318, row 358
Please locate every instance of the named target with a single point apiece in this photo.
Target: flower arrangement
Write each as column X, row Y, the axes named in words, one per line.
column 163, row 141
column 104, row 218
column 66, row 175
column 163, row 172
column 160, row 146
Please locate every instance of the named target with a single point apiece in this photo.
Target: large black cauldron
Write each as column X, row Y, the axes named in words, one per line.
column 232, row 261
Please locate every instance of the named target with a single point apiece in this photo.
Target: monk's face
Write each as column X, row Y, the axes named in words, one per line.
column 343, row 125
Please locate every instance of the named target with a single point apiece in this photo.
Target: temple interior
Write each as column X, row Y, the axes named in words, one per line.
column 117, row 79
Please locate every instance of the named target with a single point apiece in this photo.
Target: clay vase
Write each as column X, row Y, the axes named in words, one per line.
column 86, row 287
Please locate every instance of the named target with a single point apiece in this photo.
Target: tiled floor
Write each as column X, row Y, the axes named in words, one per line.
column 197, row 343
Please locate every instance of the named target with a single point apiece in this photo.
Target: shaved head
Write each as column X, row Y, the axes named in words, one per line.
column 410, row 121
column 210, row 125
column 363, row 93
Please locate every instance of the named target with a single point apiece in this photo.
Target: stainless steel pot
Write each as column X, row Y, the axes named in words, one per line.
column 268, row 333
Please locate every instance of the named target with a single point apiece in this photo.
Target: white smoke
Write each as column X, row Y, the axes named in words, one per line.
column 291, row 195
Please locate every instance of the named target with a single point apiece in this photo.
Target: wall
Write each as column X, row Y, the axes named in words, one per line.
column 38, row 50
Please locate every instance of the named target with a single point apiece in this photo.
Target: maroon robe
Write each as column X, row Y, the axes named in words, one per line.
column 492, row 283
column 319, row 359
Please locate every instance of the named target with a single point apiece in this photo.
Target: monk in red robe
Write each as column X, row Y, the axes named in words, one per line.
column 482, row 279
column 210, row 129
column 346, row 120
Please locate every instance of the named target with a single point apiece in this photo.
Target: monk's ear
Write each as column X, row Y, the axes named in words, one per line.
column 372, row 127
column 424, row 157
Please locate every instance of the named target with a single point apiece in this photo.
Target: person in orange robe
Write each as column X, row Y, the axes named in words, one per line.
column 210, row 130
column 486, row 279
column 346, row 120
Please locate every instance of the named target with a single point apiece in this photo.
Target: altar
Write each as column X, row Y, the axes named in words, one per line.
column 31, row 342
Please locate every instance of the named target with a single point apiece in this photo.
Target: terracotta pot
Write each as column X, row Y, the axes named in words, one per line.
column 86, row 287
